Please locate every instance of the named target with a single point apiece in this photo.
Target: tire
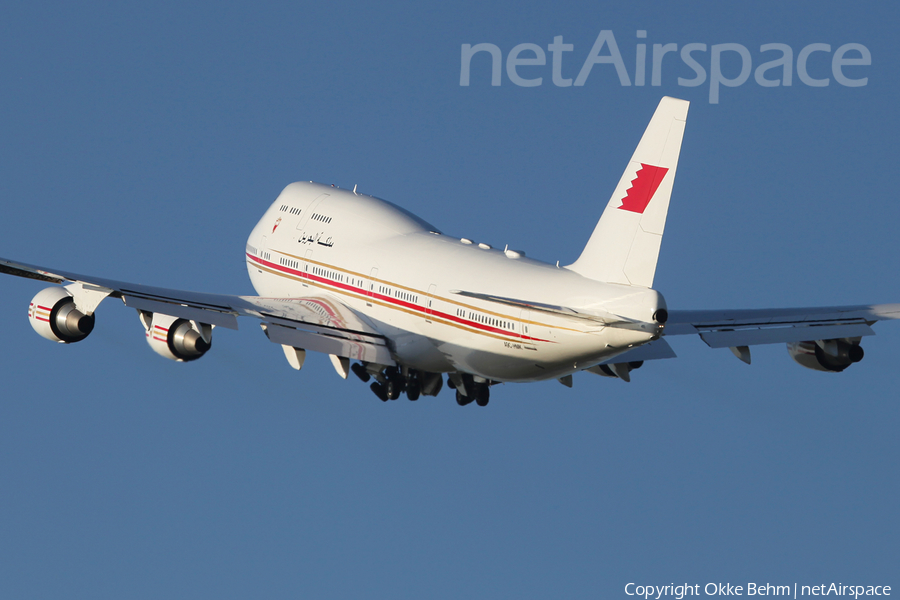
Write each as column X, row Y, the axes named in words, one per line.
column 379, row 391
column 393, row 387
column 482, row 395
column 360, row 371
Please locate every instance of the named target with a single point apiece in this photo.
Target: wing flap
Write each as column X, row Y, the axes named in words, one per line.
column 29, row 272
column 783, row 335
column 183, row 311
column 371, row 350
column 735, row 328
column 318, row 312
column 683, row 322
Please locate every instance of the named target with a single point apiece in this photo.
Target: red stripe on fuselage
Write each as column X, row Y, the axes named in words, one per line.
column 390, row 300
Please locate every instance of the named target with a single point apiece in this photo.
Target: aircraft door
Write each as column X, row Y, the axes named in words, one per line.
column 370, row 287
column 429, row 301
column 306, row 265
column 304, row 218
column 534, row 326
column 263, row 251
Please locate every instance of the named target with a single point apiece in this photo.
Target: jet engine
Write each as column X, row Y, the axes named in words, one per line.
column 53, row 315
column 826, row 355
column 175, row 338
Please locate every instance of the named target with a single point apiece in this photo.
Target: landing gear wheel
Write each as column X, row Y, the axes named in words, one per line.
column 379, row 391
column 462, row 400
column 413, row 389
column 393, row 387
column 482, row 395
column 360, row 371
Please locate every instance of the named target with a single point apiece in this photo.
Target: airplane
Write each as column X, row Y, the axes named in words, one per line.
column 355, row 277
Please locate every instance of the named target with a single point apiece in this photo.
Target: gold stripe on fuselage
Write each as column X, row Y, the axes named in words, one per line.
column 419, row 292
column 372, row 300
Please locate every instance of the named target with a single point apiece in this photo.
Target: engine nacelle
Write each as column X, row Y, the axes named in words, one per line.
column 826, row 355
column 175, row 338
column 53, row 315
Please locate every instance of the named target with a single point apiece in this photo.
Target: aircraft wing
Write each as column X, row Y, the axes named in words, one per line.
column 320, row 323
column 740, row 329
column 736, row 328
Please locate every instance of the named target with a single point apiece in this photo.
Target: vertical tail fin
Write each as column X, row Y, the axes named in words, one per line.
column 625, row 244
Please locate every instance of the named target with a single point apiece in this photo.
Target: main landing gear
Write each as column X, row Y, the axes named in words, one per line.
column 481, row 398
column 391, row 382
column 471, row 391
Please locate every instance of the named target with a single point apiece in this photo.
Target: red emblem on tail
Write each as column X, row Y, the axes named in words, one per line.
column 643, row 187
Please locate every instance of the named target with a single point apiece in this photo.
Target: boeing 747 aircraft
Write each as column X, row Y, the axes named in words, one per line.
column 352, row 276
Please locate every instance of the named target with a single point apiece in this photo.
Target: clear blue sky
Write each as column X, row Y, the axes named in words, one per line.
column 143, row 141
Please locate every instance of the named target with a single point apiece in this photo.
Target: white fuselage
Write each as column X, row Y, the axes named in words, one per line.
column 403, row 277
